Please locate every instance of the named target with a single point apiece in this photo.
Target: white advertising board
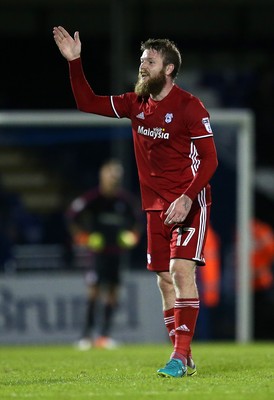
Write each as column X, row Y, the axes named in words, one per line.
column 49, row 308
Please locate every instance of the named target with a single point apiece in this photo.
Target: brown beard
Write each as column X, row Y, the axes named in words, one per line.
column 153, row 86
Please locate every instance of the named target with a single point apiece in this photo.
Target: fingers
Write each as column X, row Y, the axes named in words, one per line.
column 173, row 216
column 178, row 210
column 170, row 208
column 173, row 219
column 168, row 221
column 170, row 215
column 57, row 35
column 60, row 33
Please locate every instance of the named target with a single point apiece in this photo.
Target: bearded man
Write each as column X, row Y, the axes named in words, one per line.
column 176, row 158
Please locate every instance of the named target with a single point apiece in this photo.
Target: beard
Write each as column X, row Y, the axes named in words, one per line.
column 153, row 86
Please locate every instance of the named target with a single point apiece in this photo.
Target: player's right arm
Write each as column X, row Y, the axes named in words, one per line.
column 85, row 98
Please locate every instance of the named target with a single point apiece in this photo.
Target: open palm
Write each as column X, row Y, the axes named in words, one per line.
column 69, row 47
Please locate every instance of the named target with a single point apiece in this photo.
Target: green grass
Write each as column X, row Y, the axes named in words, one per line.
column 225, row 371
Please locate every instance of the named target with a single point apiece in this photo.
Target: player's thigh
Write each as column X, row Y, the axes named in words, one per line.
column 188, row 239
column 158, row 242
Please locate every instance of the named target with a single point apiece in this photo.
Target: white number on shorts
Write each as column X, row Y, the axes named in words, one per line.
column 190, row 231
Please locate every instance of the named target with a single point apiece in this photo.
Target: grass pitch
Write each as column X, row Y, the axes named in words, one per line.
column 225, row 371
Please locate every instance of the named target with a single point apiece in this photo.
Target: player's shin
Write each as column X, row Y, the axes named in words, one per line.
column 185, row 312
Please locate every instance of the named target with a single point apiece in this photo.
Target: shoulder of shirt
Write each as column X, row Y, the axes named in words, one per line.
column 185, row 94
column 91, row 194
column 132, row 97
column 188, row 97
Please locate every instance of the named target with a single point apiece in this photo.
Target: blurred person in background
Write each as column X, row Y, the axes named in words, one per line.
column 105, row 220
column 209, row 285
column 262, row 280
column 262, row 258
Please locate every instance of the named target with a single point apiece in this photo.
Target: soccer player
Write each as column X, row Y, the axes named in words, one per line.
column 106, row 220
column 176, row 157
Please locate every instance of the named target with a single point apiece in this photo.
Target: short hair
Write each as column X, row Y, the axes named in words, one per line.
column 169, row 51
column 112, row 162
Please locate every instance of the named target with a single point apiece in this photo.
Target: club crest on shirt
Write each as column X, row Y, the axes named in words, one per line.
column 206, row 123
column 168, row 117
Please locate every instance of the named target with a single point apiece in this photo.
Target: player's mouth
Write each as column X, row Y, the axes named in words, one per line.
column 144, row 75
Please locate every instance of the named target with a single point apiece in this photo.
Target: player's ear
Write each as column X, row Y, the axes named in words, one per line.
column 169, row 69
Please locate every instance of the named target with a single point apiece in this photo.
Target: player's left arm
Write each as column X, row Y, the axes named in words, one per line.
column 179, row 209
column 197, row 120
column 208, row 164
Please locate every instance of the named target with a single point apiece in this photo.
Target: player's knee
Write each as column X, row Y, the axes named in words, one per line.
column 164, row 281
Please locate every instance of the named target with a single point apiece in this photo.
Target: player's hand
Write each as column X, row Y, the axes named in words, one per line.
column 96, row 242
column 127, row 239
column 178, row 210
column 69, row 47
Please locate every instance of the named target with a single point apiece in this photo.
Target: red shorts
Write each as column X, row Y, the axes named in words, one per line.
column 184, row 240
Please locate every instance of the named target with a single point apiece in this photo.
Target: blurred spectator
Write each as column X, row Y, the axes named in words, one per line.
column 263, row 279
column 209, row 284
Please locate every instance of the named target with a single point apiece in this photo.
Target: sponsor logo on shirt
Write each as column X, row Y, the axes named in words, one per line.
column 206, row 123
column 155, row 133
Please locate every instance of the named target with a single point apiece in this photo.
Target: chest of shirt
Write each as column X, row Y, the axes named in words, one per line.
column 158, row 124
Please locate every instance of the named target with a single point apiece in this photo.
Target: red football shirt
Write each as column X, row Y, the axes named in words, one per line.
column 173, row 141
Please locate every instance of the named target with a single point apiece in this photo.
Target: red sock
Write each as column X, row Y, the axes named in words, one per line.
column 185, row 312
column 170, row 324
column 189, row 354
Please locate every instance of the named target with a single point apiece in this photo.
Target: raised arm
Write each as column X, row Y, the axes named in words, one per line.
column 86, row 99
column 69, row 47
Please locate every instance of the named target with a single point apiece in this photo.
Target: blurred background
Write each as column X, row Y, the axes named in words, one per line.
column 227, row 51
